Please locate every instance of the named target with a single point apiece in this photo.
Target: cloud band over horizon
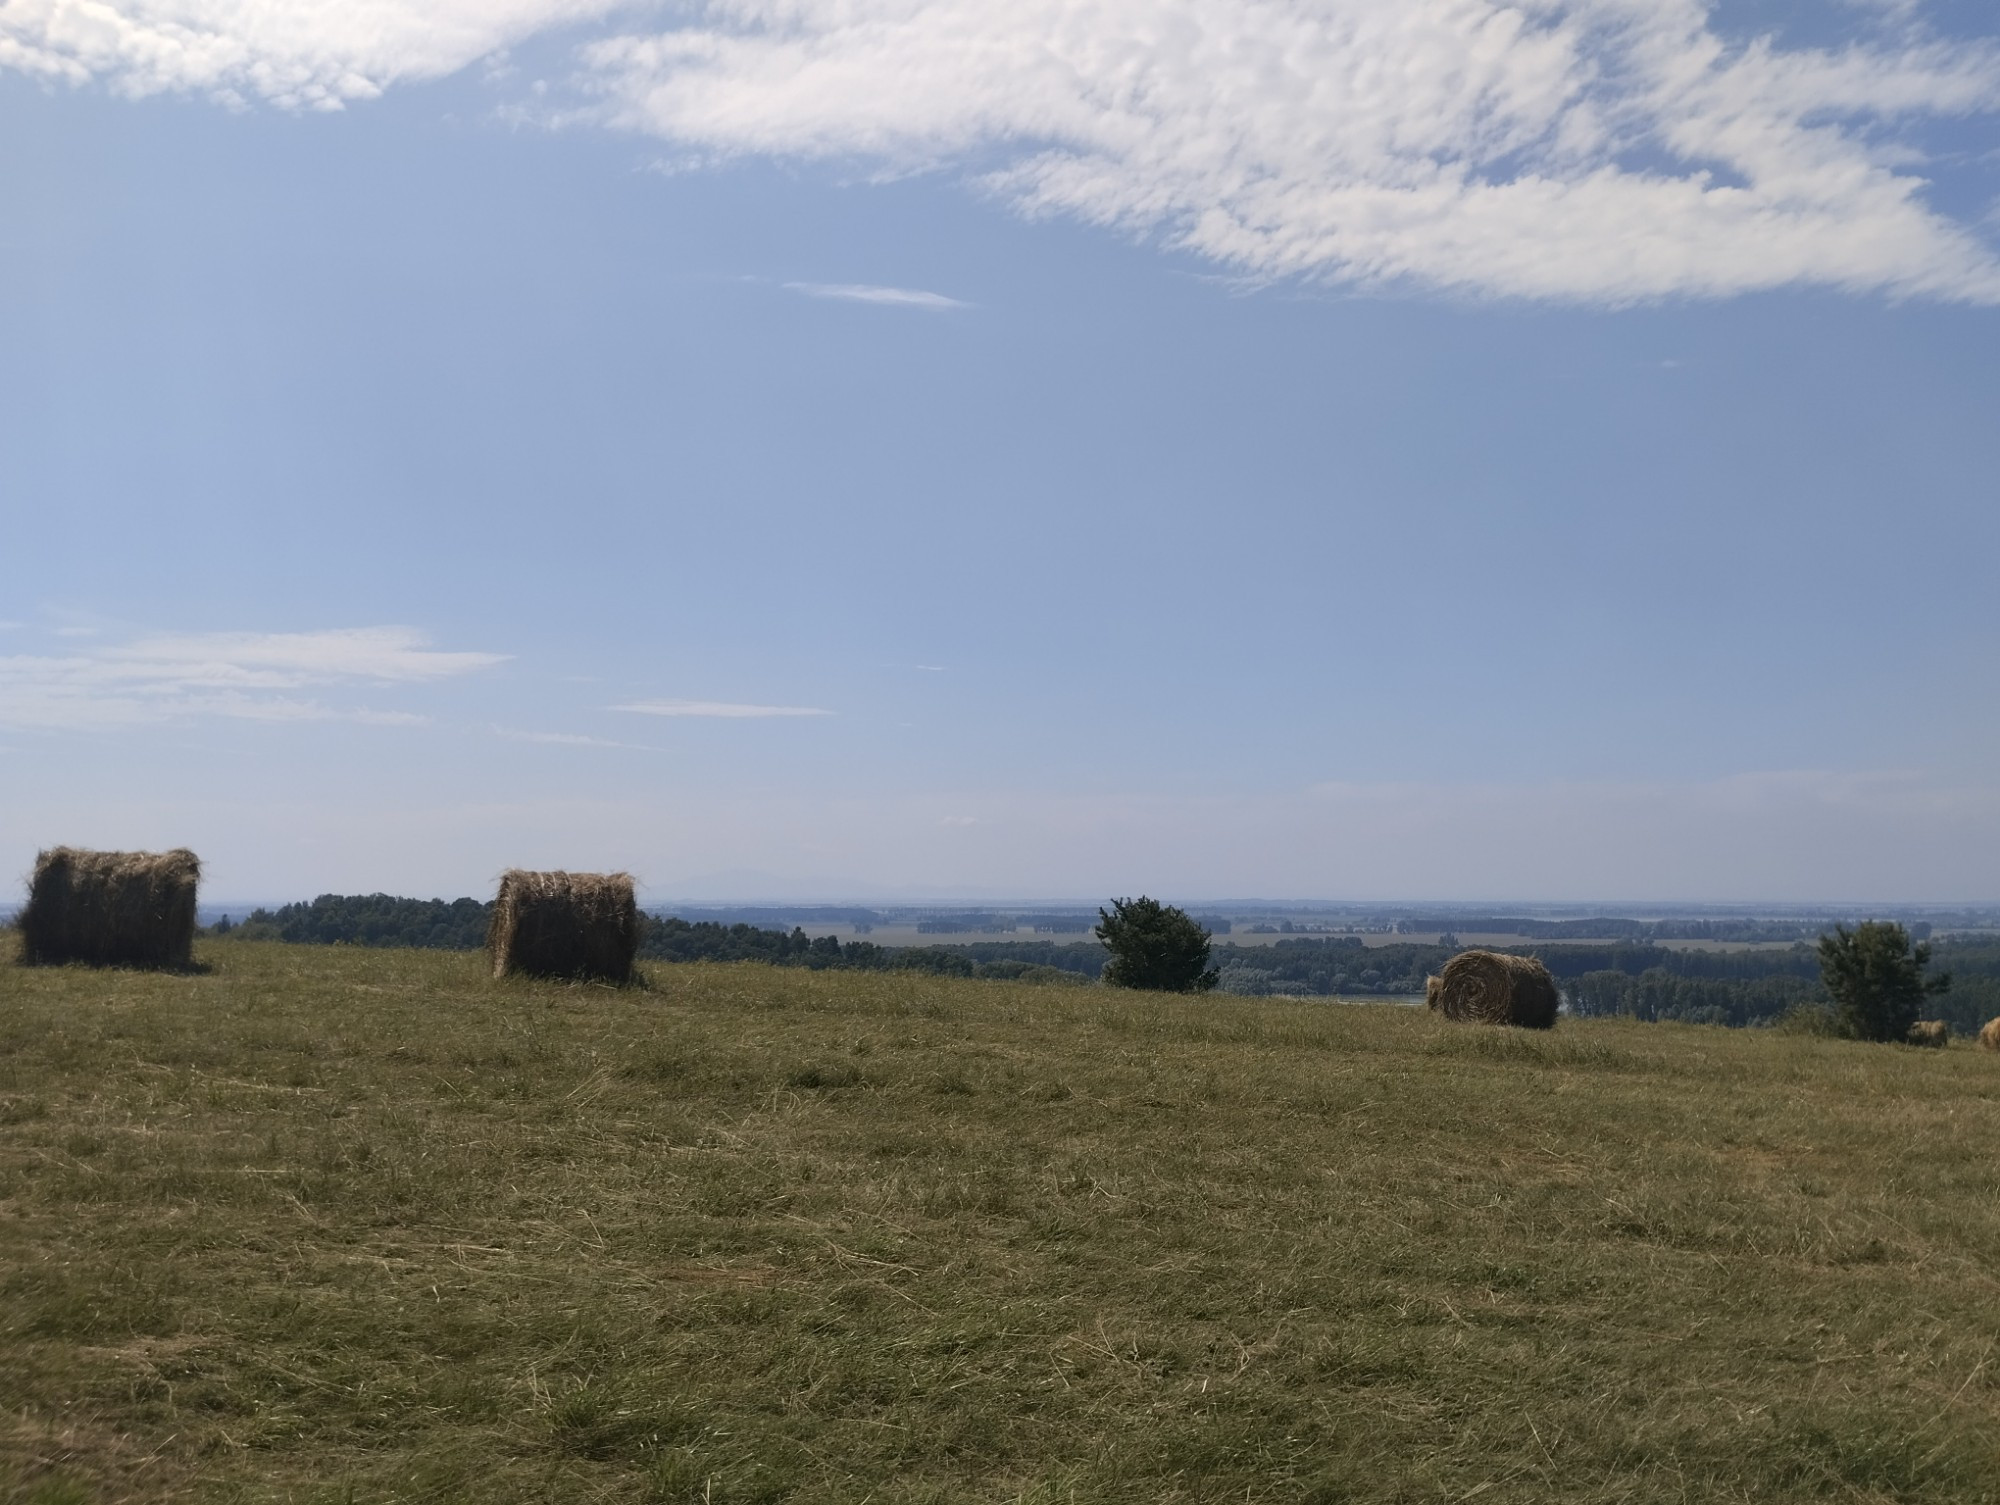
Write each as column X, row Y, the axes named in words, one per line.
column 251, row 676
column 1600, row 152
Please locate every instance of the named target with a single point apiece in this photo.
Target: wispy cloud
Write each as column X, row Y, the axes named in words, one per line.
column 726, row 710
column 1593, row 151
column 891, row 297
column 305, row 56
column 565, row 739
column 1472, row 145
column 241, row 675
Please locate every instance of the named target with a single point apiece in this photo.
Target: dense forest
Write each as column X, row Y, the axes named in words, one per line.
column 676, row 940
column 370, row 920
column 1636, row 978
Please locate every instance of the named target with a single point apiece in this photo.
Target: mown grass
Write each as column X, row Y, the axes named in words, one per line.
column 340, row 1225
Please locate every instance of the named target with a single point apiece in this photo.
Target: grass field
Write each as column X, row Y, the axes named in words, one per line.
column 344, row 1225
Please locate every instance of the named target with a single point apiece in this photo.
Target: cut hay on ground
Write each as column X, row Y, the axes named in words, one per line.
column 111, row 909
column 1990, row 1035
column 579, row 926
column 1934, row 1033
column 1486, row 987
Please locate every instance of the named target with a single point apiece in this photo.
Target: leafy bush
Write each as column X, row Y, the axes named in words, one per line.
column 1815, row 1019
column 1876, row 978
column 1154, row 946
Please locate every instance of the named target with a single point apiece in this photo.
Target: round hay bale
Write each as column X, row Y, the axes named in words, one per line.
column 111, row 909
column 582, row 927
column 1990, row 1035
column 1488, row 987
column 1933, row 1034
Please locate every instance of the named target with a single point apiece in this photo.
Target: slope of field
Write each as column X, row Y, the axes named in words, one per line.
column 351, row 1225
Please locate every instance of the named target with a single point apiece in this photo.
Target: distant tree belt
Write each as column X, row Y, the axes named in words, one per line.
column 1657, row 994
column 1321, row 968
column 1573, row 960
column 1972, row 1001
column 374, row 920
column 677, row 940
column 1643, row 981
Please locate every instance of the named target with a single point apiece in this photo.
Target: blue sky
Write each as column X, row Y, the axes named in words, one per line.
column 1345, row 449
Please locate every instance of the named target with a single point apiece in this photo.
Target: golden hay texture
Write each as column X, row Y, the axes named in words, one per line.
column 1934, row 1033
column 582, row 926
column 1486, row 987
column 111, row 909
column 1990, row 1035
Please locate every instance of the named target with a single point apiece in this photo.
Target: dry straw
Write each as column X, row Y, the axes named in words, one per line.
column 1487, row 987
column 1990, row 1036
column 581, row 926
column 111, row 909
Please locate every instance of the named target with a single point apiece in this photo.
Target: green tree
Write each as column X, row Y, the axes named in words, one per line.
column 1154, row 946
column 1877, row 978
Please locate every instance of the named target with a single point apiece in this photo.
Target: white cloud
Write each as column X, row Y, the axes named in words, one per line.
column 242, row 675
column 285, row 660
column 727, row 710
column 1463, row 144
column 1596, row 151
column 894, row 297
column 314, row 54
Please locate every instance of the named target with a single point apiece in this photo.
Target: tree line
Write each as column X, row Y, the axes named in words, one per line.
column 369, row 920
column 1635, row 979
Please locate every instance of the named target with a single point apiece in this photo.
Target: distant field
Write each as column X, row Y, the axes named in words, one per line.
column 331, row 1224
column 909, row 935
column 1501, row 939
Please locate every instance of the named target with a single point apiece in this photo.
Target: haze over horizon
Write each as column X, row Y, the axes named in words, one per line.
column 1309, row 448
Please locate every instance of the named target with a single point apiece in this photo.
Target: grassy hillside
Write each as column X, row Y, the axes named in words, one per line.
column 350, row 1225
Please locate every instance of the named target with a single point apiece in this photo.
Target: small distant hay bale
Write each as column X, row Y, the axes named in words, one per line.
column 111, row 909
column 1934, row 1034
column 578, row 926
column 1486, row 987
column 1990, row 1035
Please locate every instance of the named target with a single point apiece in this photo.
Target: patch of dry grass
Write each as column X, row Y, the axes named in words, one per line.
column 349, row 1225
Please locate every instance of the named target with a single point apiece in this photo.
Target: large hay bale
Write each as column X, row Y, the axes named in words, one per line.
column 1933, row 1033
column 1486, row 987
column 111, row 909
column 1990, row 1035
column 583, row 926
